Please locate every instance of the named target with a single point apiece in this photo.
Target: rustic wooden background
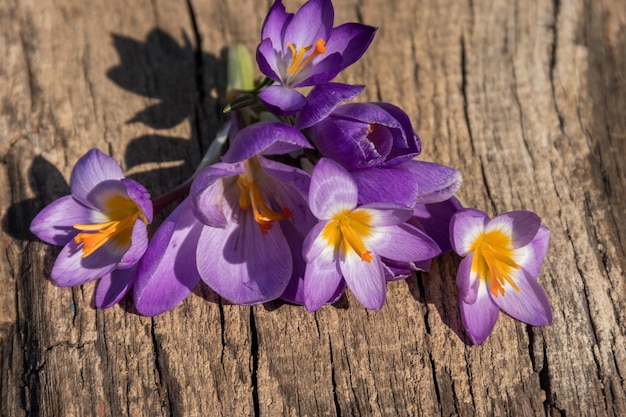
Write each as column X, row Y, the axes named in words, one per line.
column 526, row 98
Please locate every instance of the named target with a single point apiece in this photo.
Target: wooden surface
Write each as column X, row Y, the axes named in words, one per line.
column 526, row 98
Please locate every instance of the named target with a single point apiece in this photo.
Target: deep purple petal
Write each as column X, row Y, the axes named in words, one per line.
column 267, row 60
column 282, row 100
column 407, row 145
column 467, row 281
column 243, row 265
column 275, row 22
column 366, row 280
column 140, row 196
column 321, row 280
column 167, row 272
column 465, row 227
column 332, row 189
column 351, row 40
column 529, row 305
column 313, row 21
column 402, row 243
column 435, row 220
column 522, row 226
column 321, row 70
column 55, row 223
column 114, row 286
column 90, row 170
column 70, row 268
column 138, row 246
column 265, row 138
column 208, row 190
column 322, row 100
column 479, row 318
column 345, row 141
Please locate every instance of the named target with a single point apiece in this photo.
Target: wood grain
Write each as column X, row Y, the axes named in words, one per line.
column 526, row 99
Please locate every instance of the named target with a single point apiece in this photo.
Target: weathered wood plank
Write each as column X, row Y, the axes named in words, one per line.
column 524, row 98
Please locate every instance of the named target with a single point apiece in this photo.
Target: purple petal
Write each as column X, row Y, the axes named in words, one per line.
column 282, row 100
column 436, row 183
column 243, row 265
column 465, row 227
column 407, row 145
column 435, row 220
column 208, row 192
column 332, row 189
column 386, row 214
column 167, row 272
column 322, row 100
column 114, row 286
column 402, row 243
column 321, row 70
column 313, row 21
column 321, row 280
column 536, row 253
column 267, row 59
column 396, row 270
column 366, row 280
column 314, row 243
column 479, row 318
column 529, row 305
column 138, row 245
column 265, row 138
column 90, row 170
column 351, row 40
column 467, row 281
column 140, row 196
column 522, row 226
column 275, row 22
column 55, row 223
column 70, row 268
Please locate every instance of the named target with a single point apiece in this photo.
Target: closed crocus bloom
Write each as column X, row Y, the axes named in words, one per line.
column 303, row 49
column 101, row 226
column 350, row 240
column 503, row 258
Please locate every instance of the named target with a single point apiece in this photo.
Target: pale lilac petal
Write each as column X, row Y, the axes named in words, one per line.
column 70, row 268
column 467, row 281
column 208, row 192
column 332, row 189
column 366, row 280
column 435, row 182
column 55, row 223
column 321, row 280
column 322, row 100
column 386, row 214
column 114, row 286
column 101, row 194
column 534, row 253
column 243, row 265
column 313, row 21
column 90, row 170
column 479, row 318
column 530, row 305
column 282, row 100
column 351, row 40
column 265, row 138
column 267, row 59
column 167, row 272
column 140, row 196
column 522, row 226
column 138, row 246
column 465, row 227
column 379, row 184
column 275, row 22
column 402, row 243
column 315, row 243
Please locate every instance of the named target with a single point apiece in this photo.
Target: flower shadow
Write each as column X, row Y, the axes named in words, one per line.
column 437, row 289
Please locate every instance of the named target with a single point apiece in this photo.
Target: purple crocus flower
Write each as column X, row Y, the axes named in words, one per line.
column 503, row 258
column 349, row 241
column 101, row 226
column 238, row 228
column 303, row 49
column 377, row 144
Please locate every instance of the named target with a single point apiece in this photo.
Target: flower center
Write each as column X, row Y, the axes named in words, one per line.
column 251, row 198
column 299, row 58
column 346, row 231
column 123, row 213
column 493, row 260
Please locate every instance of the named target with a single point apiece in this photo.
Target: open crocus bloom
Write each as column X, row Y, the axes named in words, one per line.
column 503, row 259
column 303, row 49
column 349, row 241
column 102, row 226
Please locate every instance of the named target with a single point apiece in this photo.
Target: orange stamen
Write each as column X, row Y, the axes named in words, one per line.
column 493, row 261
column 298, row 60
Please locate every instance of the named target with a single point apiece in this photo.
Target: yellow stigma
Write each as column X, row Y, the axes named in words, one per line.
column 493, row 260
column 123, row 213
column 251, row 198
column 346, row 231
column 298, row 60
